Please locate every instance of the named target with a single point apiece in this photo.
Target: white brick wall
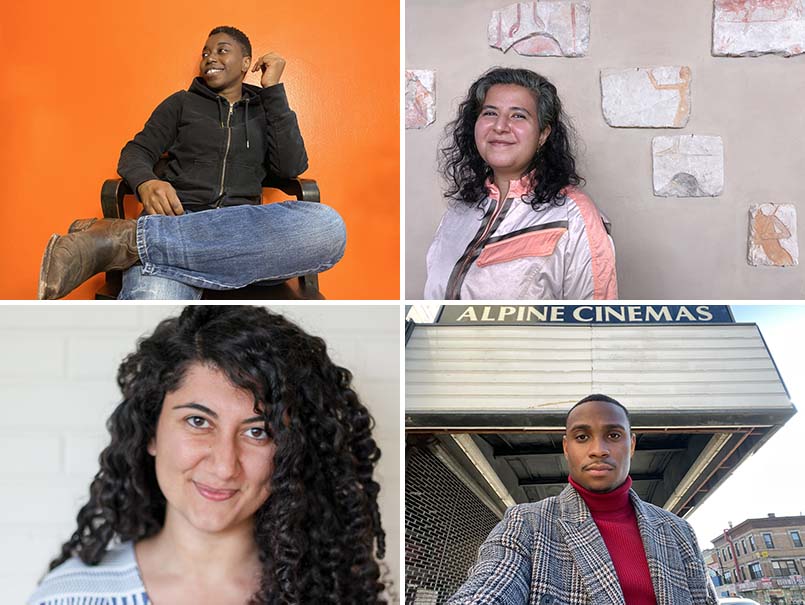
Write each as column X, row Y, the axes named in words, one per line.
column 57, row 387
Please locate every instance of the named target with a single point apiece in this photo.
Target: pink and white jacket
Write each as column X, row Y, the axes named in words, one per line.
column 506, row 250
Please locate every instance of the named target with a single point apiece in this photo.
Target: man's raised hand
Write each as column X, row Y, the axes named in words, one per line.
column 272, row 65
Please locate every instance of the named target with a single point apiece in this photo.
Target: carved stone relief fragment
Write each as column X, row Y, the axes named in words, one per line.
column 748, row 28
column 420, row 98
column 773, row 235
column 646, row 97
column 688, row 166
column 542, row 28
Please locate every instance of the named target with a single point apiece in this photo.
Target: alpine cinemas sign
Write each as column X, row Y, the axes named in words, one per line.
column 585, row 314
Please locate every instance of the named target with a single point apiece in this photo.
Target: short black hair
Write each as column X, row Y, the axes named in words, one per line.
column 238, row 35
column 604, row 398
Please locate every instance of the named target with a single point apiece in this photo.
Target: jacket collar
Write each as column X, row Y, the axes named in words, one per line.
column 199, row 87
column 517, row 188
column 249, row 96
column 592, row 558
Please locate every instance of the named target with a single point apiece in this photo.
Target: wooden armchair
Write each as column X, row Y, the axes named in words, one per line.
column 114, row 191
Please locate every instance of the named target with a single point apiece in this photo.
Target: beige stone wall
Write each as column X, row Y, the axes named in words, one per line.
column 668, row 248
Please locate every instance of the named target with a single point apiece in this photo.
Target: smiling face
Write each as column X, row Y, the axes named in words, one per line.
column 507, row 133
column 598, row 445
column 223, row 64
column 214, row 458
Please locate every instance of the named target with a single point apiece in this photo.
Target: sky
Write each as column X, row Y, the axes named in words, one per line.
column 771, row 480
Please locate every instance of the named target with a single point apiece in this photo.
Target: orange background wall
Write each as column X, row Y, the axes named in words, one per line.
column 83, row 77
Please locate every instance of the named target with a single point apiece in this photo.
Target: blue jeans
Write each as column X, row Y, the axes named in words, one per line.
column 230, row 248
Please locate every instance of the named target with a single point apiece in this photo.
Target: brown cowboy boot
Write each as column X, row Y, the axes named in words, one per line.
column 72, row 259
column 81, row 224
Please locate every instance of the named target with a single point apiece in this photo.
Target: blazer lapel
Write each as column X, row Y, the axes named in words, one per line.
column 662, row 553
column 588, row 550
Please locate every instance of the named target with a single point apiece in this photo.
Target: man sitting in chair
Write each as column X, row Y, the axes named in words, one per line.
column 203, row 224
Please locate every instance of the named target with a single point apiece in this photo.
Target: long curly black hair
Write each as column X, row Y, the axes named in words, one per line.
column 319, row 534
column 553, row 166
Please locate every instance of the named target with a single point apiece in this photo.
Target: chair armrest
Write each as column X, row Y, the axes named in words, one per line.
column 112, row 193
column 306, row 190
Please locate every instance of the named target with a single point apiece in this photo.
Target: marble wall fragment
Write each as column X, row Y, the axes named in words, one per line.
column 542, row 28
column 646, row 97
column 773, row 235
column 420, row 97
column 748, row 28
column 688, row 166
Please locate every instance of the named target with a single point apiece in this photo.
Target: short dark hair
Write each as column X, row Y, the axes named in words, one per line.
column 238, row 35
column 604, row 398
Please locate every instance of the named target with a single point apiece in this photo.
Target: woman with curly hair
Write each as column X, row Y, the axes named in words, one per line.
column 239, row 472
column 518, row 226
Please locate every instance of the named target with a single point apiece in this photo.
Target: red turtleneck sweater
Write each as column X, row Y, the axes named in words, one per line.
column 616, row 520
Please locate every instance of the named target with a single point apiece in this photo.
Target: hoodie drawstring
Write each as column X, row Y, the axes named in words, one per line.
column 246, row 122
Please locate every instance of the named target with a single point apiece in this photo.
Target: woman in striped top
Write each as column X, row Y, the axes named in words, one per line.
column 239, row 472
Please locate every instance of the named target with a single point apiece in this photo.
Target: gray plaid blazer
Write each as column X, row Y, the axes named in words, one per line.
column 551, row 553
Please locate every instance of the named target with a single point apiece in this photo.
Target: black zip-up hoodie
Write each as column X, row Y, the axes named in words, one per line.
column 218, row 155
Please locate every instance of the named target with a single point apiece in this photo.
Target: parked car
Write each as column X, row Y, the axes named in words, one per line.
column 736, row 601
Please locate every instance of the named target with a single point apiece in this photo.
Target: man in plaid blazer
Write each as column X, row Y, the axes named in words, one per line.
column 596, row 543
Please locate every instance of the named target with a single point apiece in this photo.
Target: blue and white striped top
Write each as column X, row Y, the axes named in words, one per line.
column 115, row 580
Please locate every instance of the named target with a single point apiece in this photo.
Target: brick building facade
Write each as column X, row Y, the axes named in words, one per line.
column 763, row 559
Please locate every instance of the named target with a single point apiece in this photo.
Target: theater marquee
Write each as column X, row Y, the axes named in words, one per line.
column 581, row 314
